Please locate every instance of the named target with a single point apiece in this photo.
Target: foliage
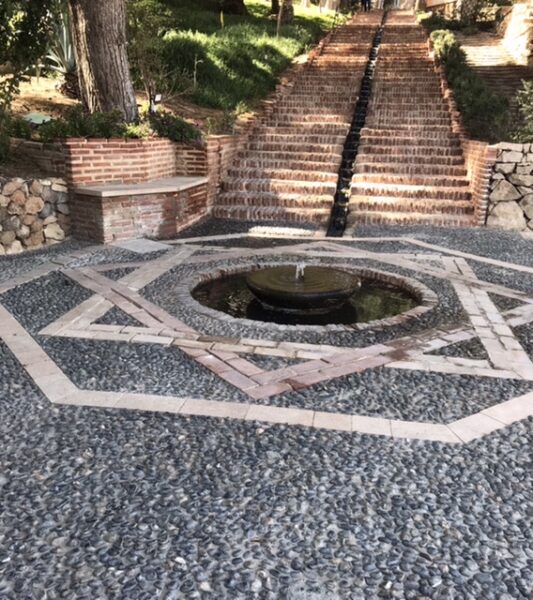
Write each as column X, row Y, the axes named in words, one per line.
column 524, row 131
column 78, row 123
column 220, row 68
column 432, row 21
column 24, row 34
column 147, row 23
column 223, row 124
column 19, row 128
column 4, row 135
column 485, row 113
column 165, row 124
column 61, row 57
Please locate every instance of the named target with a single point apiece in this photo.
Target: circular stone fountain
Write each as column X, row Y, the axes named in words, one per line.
column 302, row 289
column 325, row 295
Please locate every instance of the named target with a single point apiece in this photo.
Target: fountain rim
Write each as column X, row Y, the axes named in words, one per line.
column 427, row 299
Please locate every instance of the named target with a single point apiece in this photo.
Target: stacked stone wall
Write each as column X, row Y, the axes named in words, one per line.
column 33, row 213
column 511, row 195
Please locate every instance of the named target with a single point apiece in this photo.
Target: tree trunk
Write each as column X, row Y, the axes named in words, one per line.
column 99, row 35
column 274, row 10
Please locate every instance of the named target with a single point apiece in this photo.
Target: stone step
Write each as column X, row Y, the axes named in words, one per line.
column 410, row 191
column 302, row 138
column 294, row 147
column 299, row 155
column 312, row 188
column 282, row 173
column 287, row 200
column 426, row 142
column 305, row 129
column 410, row 159
column 403, row 218
column 326, row 166
column 418, row 180
column 388, row 150
column 402, row 205
column 272, row 213
column 409, row 169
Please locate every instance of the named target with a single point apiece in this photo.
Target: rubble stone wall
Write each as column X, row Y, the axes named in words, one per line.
column 33, row 213
column 511, row 188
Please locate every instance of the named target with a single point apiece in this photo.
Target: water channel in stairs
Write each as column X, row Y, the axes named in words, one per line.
column 339, row 211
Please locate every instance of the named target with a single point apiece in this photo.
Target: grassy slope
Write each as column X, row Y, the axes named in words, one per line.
column 239, row 64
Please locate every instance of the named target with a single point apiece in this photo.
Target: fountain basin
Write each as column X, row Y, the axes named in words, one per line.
column 314, row 290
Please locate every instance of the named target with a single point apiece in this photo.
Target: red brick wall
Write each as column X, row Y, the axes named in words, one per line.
column 191, row 159
column 50, row 158
column 161, row 216
column 118, row 160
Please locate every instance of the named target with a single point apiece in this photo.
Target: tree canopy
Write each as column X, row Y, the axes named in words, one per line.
column 24, row 33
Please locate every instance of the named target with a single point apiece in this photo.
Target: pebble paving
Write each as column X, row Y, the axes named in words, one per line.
column 101, row 503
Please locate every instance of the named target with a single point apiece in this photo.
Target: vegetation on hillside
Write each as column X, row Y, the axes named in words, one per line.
column 220, row 61
column 485, row 114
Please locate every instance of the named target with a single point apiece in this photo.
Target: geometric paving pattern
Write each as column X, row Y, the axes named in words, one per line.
column 313, row 363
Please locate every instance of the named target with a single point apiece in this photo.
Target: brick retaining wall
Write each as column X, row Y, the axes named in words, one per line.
column 91, row 161
column 129, row 216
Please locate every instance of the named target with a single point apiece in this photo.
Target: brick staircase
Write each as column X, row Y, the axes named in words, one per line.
column 410, row 166
column 288, row 170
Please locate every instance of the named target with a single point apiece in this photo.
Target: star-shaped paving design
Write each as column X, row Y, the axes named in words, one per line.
column 225, row 357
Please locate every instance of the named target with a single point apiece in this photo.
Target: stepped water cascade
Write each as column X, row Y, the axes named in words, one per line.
column 339, row 211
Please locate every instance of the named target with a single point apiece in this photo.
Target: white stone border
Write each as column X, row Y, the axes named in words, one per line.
column 56, row 386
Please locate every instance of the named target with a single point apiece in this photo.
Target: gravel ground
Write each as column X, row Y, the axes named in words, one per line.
column 107, row 504
column 115, row 316
column 502, row 245
column 224, row 227
column 12, row 266
column 142, row 506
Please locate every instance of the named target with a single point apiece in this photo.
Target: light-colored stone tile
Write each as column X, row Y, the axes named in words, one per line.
column 142, row 246
column 373, row 425
column 335, row 421
column 212, row 408
column 474, row 426
column 150, row 403
column 277, row 414
column 512, row 410
column 423, row 431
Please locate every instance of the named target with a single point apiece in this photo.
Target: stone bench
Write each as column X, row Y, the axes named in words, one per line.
column 108, row 212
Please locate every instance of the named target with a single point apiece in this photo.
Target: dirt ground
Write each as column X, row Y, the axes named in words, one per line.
column 41, row 95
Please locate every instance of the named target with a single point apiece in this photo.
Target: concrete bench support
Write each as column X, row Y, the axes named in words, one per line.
column 158, row 209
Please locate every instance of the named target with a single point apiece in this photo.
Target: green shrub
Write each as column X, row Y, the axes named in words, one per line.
column 4, row 135
column 19, row 128
column 165, row 124
column 78, row 123
column 524, row 131
column 485, row 113
column 433, row 21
